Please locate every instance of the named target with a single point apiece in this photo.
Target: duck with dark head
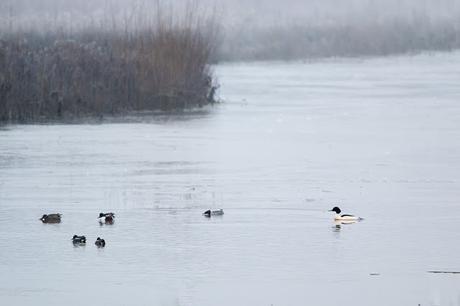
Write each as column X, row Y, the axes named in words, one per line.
column 78, row 240
column 344, row 217
column 106, row 218
column 100, row 243
column 209, row 213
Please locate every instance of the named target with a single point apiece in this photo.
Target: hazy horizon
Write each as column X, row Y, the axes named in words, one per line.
column 309, row 12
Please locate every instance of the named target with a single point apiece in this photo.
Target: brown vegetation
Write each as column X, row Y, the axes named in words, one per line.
column 91, row 72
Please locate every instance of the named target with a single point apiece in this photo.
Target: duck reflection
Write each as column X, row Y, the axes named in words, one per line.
column 338, row 224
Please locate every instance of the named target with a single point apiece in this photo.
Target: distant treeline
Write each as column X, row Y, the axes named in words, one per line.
column 67, row 74
column 298, row 41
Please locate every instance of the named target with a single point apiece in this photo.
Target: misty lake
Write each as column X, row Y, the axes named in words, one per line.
column 379, row 137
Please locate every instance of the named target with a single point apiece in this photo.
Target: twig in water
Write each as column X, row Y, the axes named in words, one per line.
column 445, row 272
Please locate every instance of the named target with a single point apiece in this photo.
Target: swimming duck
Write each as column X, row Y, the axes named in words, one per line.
column 51, row 218
column 345, row 217
column 78, row 240
column 106, row 217
column 100, row 242
column 210, row 213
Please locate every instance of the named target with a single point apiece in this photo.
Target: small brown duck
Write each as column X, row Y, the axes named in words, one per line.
column 51, row 218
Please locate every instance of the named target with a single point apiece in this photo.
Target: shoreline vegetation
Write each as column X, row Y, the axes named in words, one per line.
column 92, row 72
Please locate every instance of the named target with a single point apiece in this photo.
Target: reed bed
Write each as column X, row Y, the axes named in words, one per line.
column 164, row 65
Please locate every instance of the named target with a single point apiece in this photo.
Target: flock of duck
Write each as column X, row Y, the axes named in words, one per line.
column 109, row 218
column 104, row 218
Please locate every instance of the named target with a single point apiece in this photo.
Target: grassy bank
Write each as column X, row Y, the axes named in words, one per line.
column 93, row 72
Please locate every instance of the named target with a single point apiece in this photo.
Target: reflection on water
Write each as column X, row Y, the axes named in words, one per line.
column 338, row 224
column 378, row 136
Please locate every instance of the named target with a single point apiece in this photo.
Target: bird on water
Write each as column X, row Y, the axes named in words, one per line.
column 344, row 217
column 100, row 243
column 210, row 213
column 51, row 218
column 79, row 240
column 106, row 217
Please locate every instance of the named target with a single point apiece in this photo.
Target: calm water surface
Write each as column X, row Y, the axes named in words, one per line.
column 377, row 137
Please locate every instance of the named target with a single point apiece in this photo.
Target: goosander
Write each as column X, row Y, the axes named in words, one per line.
column 51, row 218
column 345, row 217
column 100, row 243
column 79, row 240
column 210, row 213
column 106, row 218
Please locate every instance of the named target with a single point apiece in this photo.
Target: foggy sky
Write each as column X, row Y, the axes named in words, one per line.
column 259, row 12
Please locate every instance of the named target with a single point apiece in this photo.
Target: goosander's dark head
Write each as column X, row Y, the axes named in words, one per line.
column 101, row 215
column 336, row 210
column 44, row 217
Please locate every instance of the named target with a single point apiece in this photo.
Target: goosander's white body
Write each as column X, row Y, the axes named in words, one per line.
column 339, row 217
